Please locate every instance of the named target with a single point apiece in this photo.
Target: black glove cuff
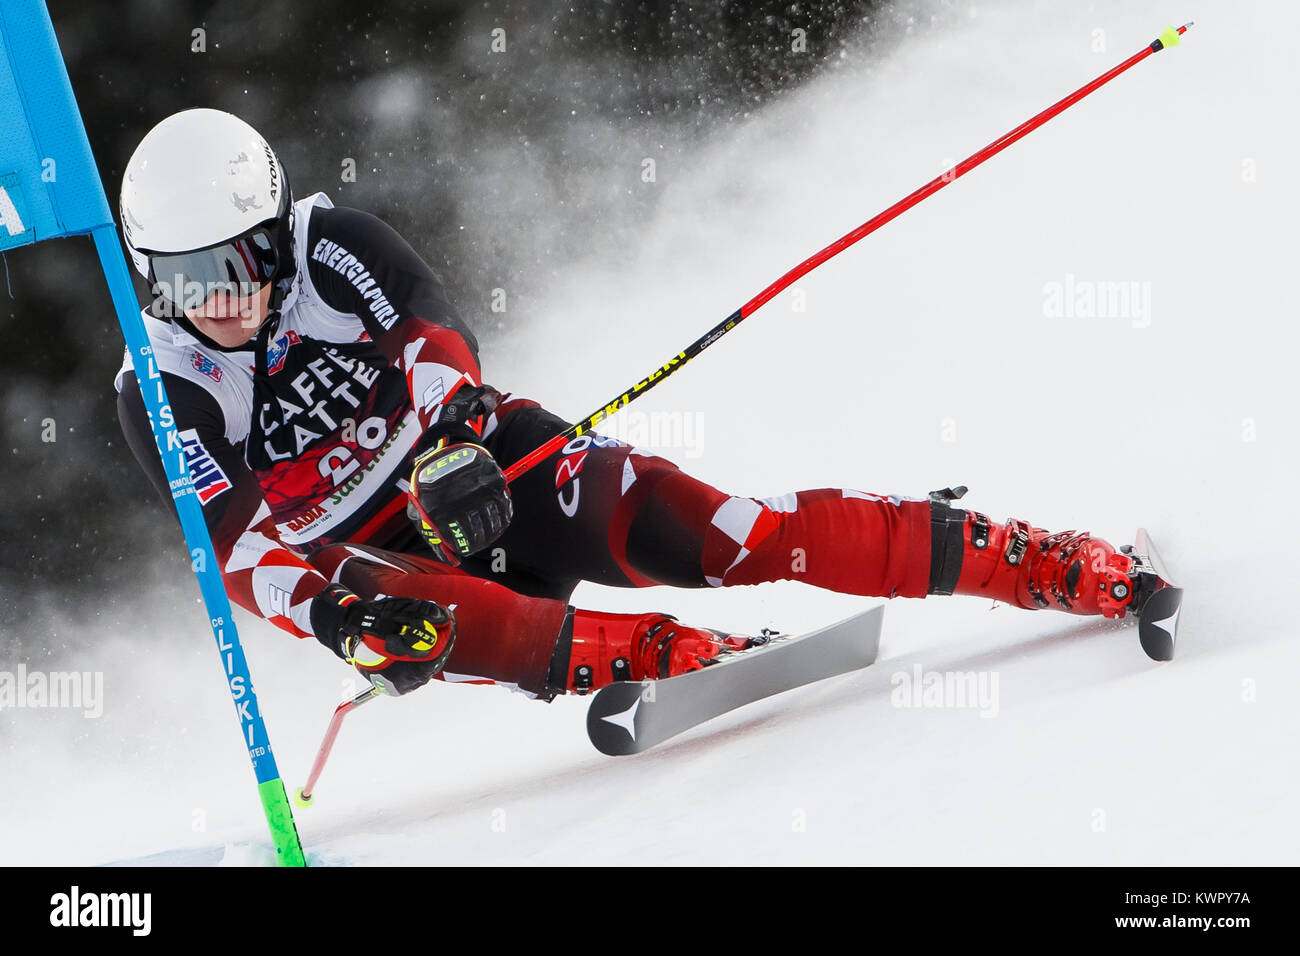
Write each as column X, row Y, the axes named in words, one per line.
column 328, row 616
column 454, row 434
column 454, row 420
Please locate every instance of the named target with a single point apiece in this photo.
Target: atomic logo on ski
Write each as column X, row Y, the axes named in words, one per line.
column 1170, row 623
column 626, row 719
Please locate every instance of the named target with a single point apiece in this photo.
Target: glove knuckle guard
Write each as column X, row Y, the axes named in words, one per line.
column 461, row 502
column 398, row 643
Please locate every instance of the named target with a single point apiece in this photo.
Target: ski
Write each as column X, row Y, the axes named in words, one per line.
column 1161, row 600
column 628, row 717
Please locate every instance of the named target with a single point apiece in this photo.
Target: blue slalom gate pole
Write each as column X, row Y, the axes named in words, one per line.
column 50, row 187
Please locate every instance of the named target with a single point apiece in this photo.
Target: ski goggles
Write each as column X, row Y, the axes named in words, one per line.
column 237, row 267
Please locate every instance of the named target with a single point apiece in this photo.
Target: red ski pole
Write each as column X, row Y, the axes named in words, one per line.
column 304, row 795
column 1170, row 37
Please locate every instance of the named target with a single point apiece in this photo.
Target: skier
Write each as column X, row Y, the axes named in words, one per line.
column 348, row 455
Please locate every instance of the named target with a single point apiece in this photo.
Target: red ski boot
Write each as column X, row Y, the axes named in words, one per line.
column 1025, row 566
column 601, row 648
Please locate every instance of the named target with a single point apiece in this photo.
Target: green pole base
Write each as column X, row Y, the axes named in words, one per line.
column 279, row 817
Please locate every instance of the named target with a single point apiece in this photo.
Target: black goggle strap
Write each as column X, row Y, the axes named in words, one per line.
column 262, row 343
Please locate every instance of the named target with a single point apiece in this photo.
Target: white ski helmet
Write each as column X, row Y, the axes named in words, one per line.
column 204, row 200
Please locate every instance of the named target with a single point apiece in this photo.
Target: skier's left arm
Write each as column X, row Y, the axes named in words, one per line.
column 362, row 267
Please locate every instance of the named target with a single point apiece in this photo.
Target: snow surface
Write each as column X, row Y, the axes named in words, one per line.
column 934, row 328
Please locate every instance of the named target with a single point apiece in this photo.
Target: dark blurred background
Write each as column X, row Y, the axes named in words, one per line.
column 464, row 150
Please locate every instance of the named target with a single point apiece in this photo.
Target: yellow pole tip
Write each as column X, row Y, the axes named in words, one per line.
column 1170, row 37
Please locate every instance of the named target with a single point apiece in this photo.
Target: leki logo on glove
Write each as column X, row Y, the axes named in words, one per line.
column 462, row 542
column 205, row 474
column 446, row 464
column 429, row 631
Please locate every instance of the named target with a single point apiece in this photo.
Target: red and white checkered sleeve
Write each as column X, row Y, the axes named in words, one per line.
column 436, row 361
column 266, row 578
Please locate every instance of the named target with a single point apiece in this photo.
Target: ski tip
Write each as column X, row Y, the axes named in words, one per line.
column 612, row 722
column 1158, row 623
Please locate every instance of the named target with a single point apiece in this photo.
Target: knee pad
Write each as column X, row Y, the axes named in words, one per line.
column 736, row 529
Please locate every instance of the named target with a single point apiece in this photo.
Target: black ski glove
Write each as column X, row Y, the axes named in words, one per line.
column 398, row 643
column 459, row 500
